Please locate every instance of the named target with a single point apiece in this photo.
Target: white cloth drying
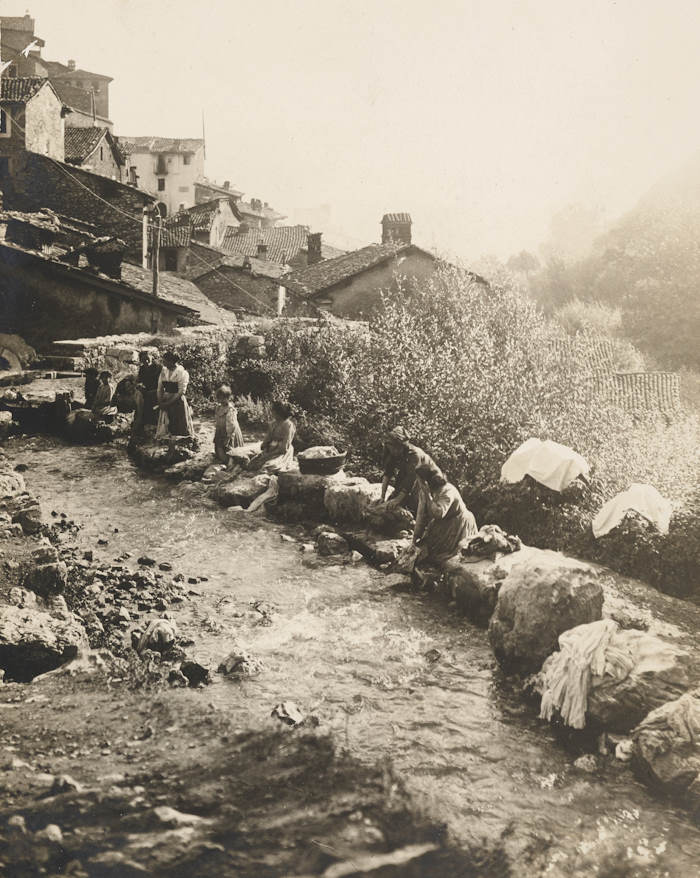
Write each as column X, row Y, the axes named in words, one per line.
column 644, row 499
column 549, row 463
column 270, row 493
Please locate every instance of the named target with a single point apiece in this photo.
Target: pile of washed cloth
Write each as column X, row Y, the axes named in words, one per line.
column 592, row 655
column 553, row 465
column 489, row 542
column 318, row 452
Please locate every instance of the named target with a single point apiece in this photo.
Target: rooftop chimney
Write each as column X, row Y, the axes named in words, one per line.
column 71, row 64
column 396, row 228
column 227, row 184
column 313, row 248
column 262, row 251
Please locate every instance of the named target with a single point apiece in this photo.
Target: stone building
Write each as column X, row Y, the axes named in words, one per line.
column 96, row 150
column 167, row 168
column 293, row 246
column 31, row 118
column 205, row 190
column 85, row 93
column 258, row 214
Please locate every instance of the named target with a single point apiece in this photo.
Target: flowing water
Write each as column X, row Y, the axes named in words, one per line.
column 393, row 675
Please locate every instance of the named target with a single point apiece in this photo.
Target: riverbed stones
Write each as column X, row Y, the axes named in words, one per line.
column 376, row 548
column 348, row 501
column 47, row 579
column 666, row 748
column 330, row 543
column 537, row 602
column 474, row 586
column 241, row 491
column 192, row 469
column 33, row 642
column 240, row 663
column 11, row 483
column 197, row 674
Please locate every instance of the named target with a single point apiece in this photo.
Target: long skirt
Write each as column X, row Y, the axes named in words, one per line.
column 175, row 421
column 444, row 536
column 225, row 441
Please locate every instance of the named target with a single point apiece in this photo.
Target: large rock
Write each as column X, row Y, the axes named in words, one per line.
column 348, row 501
column 375, row 548
column 47, row 579
column 667, row 748
column 159, row 456
column 307, row 491
column 539, row 600
column 11, row 483
column 33, row 642
column 241, row 491
column 329, row 543
column 193, row 469
column 660, row 672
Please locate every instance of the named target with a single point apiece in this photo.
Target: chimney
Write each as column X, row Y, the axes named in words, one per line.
column 227, row 184
column 262, row 251
column 313, row 248
column 396, row 228
column 243, row 229
column 71, row 64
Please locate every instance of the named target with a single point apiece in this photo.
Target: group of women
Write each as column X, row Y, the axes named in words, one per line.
column 157, row 396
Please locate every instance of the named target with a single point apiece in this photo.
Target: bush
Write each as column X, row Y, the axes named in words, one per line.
column 252, row 412
column 471, row 371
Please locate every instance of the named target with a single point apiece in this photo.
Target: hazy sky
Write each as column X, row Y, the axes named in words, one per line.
column 480, row 117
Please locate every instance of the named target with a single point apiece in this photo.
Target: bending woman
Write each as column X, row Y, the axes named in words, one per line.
column 443, row 522
column 175, row 418
column 277, row 453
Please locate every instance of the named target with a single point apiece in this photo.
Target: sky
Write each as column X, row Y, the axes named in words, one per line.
column 481, row 118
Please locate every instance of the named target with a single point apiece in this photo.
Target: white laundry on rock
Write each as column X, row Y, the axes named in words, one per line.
column 549, row 463
column 644, row 499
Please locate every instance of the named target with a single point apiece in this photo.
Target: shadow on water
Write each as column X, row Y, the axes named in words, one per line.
column 392, row 674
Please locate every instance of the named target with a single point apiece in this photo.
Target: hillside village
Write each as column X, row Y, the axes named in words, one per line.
column 78, row 192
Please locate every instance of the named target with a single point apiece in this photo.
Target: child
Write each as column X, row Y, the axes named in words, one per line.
column 92, row 382
column 228, row 433
column 101, row 404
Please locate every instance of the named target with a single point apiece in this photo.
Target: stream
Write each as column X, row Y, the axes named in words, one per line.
column 393, row 675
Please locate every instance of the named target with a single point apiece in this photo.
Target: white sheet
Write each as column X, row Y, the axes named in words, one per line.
column 644, row 499
column 549, row 463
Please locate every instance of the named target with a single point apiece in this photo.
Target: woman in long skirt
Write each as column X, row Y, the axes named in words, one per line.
column 443, row 522
column 175, row 418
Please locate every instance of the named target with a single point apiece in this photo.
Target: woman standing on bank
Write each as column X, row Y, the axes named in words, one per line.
column 175, row 417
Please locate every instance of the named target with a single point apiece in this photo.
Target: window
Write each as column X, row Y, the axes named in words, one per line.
column 186, row 159
column 161, row 184
column 4, row 124
column 102, row 155
column 170, row 260
column 183, row 188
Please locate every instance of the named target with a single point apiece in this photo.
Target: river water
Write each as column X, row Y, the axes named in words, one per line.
column 395, row 676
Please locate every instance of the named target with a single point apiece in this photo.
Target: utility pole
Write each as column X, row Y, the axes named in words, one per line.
column 144, row 238
column 156, row 248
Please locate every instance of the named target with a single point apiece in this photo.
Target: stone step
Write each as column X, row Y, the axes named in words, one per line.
column 67, row 349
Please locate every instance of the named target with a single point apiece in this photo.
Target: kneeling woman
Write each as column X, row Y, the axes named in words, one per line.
column 277, row 453
column 443, row 522
column 175, row 418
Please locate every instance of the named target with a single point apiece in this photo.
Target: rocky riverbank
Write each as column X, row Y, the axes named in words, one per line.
column 109, row 771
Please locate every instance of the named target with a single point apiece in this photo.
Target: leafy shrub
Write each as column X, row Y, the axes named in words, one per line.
column 252, row 412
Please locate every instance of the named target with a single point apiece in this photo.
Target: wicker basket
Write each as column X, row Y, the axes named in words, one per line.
column 321, row 466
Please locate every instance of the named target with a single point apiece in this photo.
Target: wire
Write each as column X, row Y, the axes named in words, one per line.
column 139, row 221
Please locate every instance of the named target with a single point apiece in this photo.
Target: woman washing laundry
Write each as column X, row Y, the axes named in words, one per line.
column 443, row 522
column 277, row 454
column 175, row 417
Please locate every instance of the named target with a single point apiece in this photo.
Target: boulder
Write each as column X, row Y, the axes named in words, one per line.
column 47, row 579
column 16, row 351
column 159, row 636
column 666, row 748
column 29, row 518
column 348, row 501
column 539, row 600
column 5, row 424
column 329, row 543
column 33, row 642
column 159, row 456
column 660, row 672
column 376, row 548
column 239, row 663
column 475, row 587
column 191, row 470
column 11, row 483
column 241, row 491
column 307, row 490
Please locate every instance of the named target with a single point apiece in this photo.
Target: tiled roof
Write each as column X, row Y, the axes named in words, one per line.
column 283, row 242
column 81, row 142
column 56, row 70
column 264, row 211
column 397, row 218
column 20, row 89
column 311, row 280
column 176, row 231
column 215, row 187
column 648, row 391
column 174, row 289
column 203, row 215
column 161, row 144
